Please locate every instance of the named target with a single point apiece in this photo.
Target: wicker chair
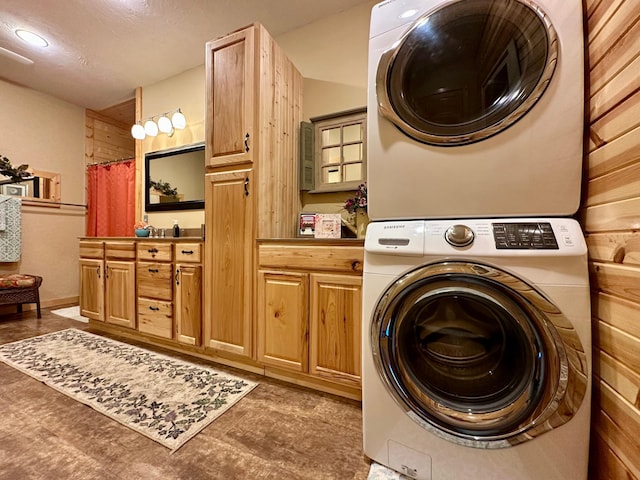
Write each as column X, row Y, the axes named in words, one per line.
column 17, row 289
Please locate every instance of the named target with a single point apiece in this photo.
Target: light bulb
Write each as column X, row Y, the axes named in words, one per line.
column 137, row 132
column 151, row 128
column 31, row 38
column 178, row 120
column 164, row 125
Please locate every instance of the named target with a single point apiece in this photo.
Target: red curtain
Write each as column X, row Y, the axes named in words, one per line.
column 111, row 199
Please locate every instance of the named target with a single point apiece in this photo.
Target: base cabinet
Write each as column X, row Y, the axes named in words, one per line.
column 92, row 288
column 283, row 319
column 309, row 320
column 189, row 304
column 108, row 282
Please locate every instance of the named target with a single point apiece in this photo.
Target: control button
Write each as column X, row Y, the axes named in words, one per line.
column 459, row 235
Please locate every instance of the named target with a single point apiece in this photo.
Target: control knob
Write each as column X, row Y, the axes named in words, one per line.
column 459, row 235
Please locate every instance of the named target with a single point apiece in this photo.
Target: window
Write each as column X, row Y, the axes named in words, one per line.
column 340, row 151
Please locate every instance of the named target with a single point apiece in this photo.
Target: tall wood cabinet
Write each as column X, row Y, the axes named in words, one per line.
column 254, row 105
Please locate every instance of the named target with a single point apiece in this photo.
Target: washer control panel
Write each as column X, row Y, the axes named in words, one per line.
column 524, row 236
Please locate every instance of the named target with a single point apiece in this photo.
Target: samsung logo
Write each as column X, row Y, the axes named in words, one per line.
column 394, row 227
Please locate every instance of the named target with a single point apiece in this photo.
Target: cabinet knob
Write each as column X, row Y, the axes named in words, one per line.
column 155, row 309
column 177, row 276
column 153, row 270
column 246, row 142
column 153, row 250
column 187, row 252
column 246, row 187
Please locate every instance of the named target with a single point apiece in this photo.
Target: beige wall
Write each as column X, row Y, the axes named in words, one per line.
column 48, row 134
column 184, row 91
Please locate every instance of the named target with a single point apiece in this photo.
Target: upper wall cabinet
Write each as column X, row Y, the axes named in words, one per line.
column 230, row 65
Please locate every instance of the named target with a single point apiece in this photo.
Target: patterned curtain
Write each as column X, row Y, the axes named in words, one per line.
column 111, row 199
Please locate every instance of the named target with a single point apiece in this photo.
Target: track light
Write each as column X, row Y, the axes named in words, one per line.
column 150, row 126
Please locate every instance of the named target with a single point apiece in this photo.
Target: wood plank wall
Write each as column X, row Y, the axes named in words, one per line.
column 611, row 219
column 107, row 139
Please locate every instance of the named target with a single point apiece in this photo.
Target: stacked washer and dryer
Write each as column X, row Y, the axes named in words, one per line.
column 476, row 318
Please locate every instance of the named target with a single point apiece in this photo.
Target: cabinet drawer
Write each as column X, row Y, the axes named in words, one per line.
column 188, row 252
column 311, row 257
column 155, row 317
column 155, row 280
column 91, row 249
column 154, row 251
column 120, row 250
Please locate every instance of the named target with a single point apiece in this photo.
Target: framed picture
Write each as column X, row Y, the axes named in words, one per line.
column 16, row 190
column 328, row 225
column 307, row 224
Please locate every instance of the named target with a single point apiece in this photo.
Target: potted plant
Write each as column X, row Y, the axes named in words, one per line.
column 357, row 205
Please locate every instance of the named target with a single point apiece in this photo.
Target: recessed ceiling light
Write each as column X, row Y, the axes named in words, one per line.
column 31, row 38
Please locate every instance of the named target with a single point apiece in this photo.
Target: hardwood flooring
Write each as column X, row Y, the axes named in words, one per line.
column 279, row 431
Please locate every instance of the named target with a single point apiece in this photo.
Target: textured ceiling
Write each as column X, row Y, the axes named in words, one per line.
column 100, row 50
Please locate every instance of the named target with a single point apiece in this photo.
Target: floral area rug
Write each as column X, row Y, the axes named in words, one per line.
column 165, row 399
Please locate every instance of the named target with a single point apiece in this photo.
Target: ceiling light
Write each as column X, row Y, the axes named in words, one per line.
column 31, row 38
column 408, row 13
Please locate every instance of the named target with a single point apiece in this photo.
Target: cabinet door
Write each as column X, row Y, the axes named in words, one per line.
column 189, row 304
column 92, row 288
column 283, row 321
column 230, row 70
column 334, row 341
column 229, row 261
column 121, row 293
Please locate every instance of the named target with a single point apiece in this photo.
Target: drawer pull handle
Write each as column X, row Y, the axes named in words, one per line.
column 153, row 250
column 187, row 252
column 98, row 271
column 153, row 270
column 246, row 142
column 154, row 309
column 177, row 276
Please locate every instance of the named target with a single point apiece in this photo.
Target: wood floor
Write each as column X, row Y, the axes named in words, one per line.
column 278, row 431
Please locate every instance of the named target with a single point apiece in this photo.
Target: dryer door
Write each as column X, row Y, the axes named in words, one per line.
column 477, row 355
column 467, row 70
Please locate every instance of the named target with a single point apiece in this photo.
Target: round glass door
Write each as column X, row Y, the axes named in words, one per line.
column 467, row 70
column 462, row 347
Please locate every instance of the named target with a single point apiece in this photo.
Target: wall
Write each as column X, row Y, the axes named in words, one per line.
column 48, row 134
column 187, row 92
column 331, row 54
column 611, row 217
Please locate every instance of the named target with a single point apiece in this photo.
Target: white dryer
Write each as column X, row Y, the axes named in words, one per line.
column 476, row 356
column 475, row 108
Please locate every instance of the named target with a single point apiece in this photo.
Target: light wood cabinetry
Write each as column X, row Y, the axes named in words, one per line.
column 155, row 288
column 107, row 282
column 309, row 313
column 229, row 260
column 92, row 279
column 188, row 294
column 254, row 103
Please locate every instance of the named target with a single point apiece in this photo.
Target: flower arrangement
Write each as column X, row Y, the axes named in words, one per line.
column 359, row 201
column 164, row 188
column 142, row 225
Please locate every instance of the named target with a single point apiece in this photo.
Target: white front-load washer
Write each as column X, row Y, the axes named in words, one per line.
column 475, row 108
column 476, row 355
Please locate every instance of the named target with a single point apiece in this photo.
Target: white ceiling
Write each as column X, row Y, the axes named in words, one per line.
column 100, row 50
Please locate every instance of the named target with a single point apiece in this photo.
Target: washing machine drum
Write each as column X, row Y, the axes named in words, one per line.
column 467, row 70
column 477, row 355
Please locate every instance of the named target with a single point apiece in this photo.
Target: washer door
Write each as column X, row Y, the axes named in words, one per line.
column 476, row 355
column 467, row 70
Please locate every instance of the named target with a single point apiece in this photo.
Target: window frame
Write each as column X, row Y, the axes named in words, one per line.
column 339, row 120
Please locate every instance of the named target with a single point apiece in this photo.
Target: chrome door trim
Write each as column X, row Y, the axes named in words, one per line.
column 561, row 396
column 388, row 58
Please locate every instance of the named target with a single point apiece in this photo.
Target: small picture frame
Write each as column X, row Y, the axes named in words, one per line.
column 328, row 225
column 307, row 224
column 15, row 190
